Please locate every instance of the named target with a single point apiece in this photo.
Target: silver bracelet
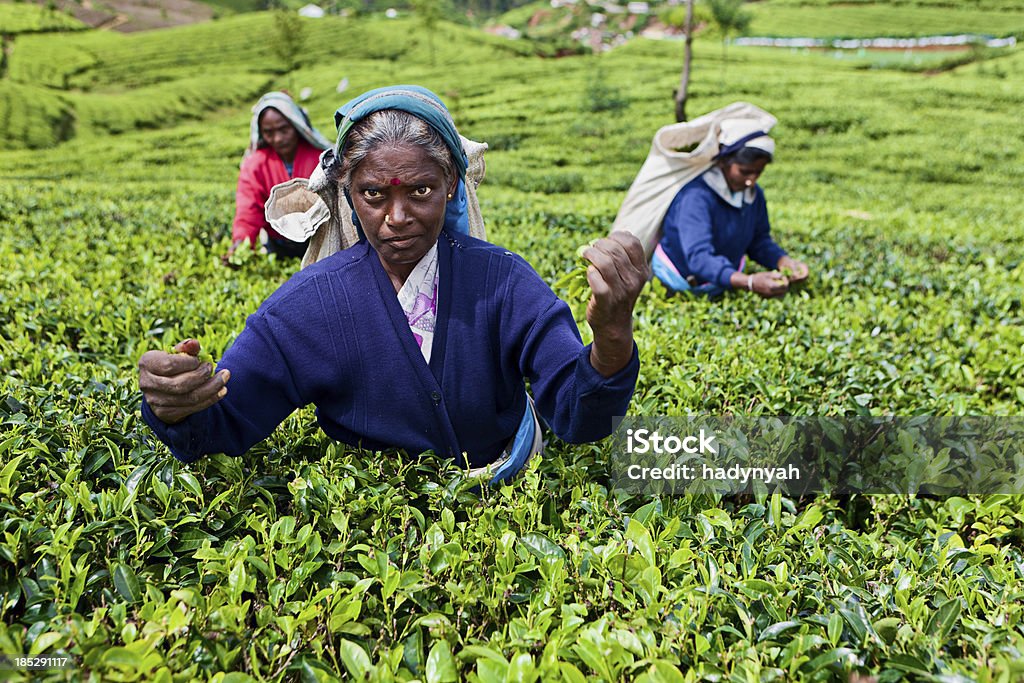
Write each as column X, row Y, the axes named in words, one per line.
column 750, row 283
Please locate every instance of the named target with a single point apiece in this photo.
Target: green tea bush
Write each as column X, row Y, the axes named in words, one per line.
column 39, row 117
column 947, row 5
column 125, row 60
column 547, row 183
column 51, row 60
column 158, row 106
column 32, row 117
column 17, row 18
column 116, row 82
column 304, row 559
column 876, row 19
column 600, row 96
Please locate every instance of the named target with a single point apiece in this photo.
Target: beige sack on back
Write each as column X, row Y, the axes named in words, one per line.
column 667, row 169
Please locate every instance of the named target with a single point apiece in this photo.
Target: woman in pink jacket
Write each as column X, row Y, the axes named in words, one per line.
column 283, row 145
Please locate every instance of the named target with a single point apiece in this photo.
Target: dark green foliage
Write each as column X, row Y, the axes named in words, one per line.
column 238, row 5
column 307, row 560
column 949, row 7
column 289, row 38
column 33, row 117
column 23, row 18
column 600, row 97
column 116, row 83
column 429, row 13
column 828, row 19
column 731, row 19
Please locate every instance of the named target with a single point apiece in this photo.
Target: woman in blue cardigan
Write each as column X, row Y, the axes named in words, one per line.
column 720, row 218
column 419, row 337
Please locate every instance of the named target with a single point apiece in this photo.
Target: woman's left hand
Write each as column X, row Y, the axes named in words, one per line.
column 798, row 270
column 618, row 271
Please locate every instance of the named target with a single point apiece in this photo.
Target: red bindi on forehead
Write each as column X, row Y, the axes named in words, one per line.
column 396, row 181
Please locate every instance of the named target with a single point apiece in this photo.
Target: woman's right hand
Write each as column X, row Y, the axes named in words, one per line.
column 178, row 384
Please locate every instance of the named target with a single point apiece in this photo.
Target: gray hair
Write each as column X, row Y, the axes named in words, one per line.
column 392, row 128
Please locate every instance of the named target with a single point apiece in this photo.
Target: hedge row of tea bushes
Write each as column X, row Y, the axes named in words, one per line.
column 110, row 82
column 159, row 106
column 122, row 82
column 39, row 117
column 304, row 559
column 26, row 17
column 952, row 6
column 827, row 160
column 869, row 20
column 32, row 117
column 873, row 334
column 802, row 18
column 243, row 41
column 50, row 60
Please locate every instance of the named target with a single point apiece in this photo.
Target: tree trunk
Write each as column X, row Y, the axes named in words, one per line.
column 684, row 80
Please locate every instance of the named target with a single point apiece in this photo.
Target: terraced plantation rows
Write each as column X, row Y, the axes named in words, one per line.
column 953, row 7
column 307, row 560
column 64, row 85
column 877, row 19
column 23, row 18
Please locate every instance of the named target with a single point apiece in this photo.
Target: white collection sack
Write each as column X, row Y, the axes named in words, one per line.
column 667, row 169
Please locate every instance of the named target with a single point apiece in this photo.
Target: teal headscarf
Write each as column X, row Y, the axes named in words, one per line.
column 425, row 105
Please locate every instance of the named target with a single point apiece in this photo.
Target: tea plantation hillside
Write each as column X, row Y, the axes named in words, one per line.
column 305, row 560
column 61, row 86
column 788, row 18
column 18, row 18
column 783, row 18
column 987, row 5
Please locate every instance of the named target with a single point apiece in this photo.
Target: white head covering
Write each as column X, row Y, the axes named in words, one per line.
column 735, row 134
column 295, row 114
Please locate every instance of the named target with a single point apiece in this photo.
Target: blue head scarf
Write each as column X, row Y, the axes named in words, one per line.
column 424, row 105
